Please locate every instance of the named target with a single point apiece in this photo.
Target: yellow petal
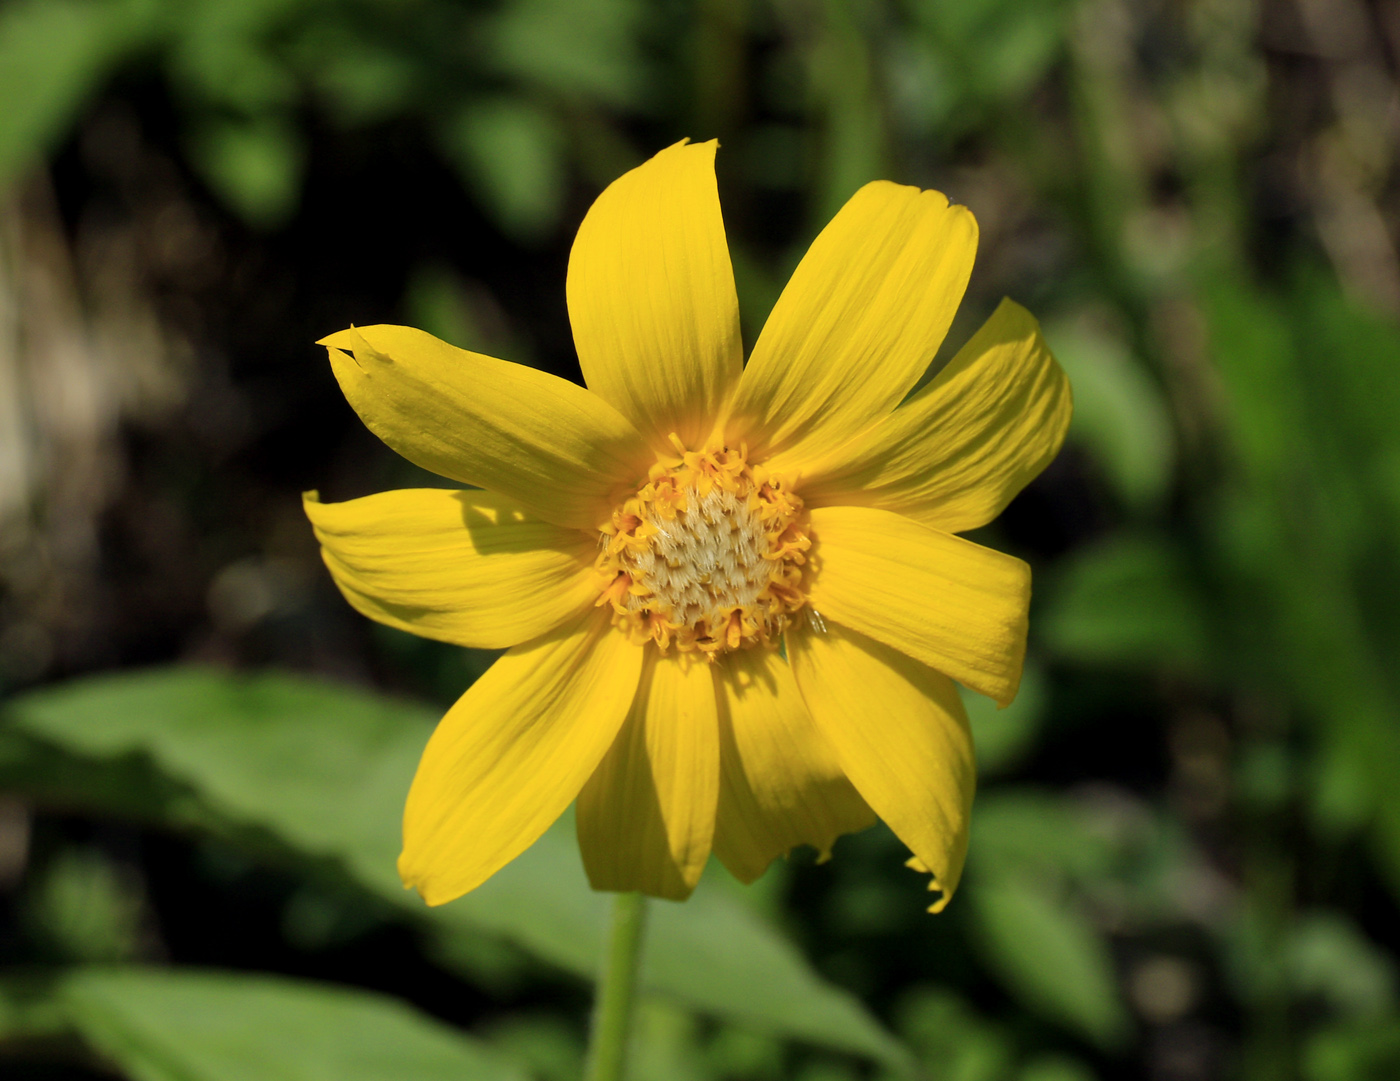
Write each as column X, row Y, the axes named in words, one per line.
column 647, row 816
column 523, row 433
column 651, row 296
column 858, row 323
column 512, row 754
column 901, row 735
column 955, row 454
column 945, row 601
column 471, row 568
column 780, row 783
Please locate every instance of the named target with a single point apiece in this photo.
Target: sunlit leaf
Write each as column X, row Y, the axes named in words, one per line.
column 324, row 770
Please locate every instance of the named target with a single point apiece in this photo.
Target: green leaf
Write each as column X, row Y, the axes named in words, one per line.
column 360, row 80
column 85, row 909
column 221, row 54
column 54, row 54
column 182, row 1025
column 264, row 751
column 255, row 165
column 952, row 1040
column 1048, row 955
column 999, row 48
column 1055, row 1068
column 324, row 770
column 1020, row 829
column 709, row 953
column 1129, row 601
column 1120, row 415
column 1353, row 1052
column 1003, row 737
column 713, row 954
column 1305, row 528
column 666, row 1046
column 551, row 1047
column 511, row 152
column 580, row 49
column 1330, row 957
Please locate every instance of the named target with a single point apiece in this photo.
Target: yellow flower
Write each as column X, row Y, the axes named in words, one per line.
column 733, row 593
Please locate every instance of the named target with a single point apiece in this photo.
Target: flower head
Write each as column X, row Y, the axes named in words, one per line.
column 733, row 594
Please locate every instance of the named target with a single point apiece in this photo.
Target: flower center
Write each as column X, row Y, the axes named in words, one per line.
column 707, row 555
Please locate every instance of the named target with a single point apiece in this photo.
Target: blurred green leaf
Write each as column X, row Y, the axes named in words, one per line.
column 318, row 915
column 1354, row 1052
column 1048, row 954
column 953, row 1043
column 1252, row 345
column 977, row 53
column 260, row 752
column 84, row 909
column 842, row 78
column 53, row 55
column 511, row 152
column 221, row 53
column 1003, row 737
column 29, row 1010
column 362, row 81
column 255, row 165
column 924, row 91
column 1352, row 403
column 1120, row 416
column 827, row 1071
column 183, row 1025
column 1304, row 530
column 438, row 301
column 713, row 954
column 666, row 1046
column 1329, row 957
column 1019, row 829
column 129, row 787
column 577, row 48
column 325, row 769
column 552, row 1048
column 1128, row 601
column 1055, row 1068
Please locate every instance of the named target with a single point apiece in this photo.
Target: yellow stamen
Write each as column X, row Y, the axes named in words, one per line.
column 707, row 555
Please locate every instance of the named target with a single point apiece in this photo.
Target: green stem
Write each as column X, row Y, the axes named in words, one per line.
column 617, row 987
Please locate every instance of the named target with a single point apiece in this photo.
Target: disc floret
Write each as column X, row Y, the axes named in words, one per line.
column 707, row 555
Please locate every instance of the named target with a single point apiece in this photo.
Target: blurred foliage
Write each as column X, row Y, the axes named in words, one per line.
column 155, row 1023
column 498, row 86
column 1186, row 852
